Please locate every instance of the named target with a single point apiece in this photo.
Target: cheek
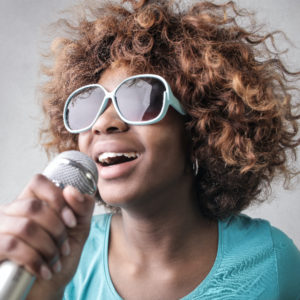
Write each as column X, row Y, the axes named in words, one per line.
column 168, row 148
column 83, row 142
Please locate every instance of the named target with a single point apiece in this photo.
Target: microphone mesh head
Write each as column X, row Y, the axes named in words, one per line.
column 73, row 168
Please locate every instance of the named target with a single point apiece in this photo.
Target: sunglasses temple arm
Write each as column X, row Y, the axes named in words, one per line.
column 176, row 104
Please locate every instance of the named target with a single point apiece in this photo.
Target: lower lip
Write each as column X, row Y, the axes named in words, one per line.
column 116, row 171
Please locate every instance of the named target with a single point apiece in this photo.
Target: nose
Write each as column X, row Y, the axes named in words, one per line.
column 109, row 122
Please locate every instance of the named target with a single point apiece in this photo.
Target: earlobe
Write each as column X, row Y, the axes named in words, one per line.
column 195, row 167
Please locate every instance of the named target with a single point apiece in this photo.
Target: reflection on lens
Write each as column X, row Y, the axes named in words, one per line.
column 140, row 99
column 83, row 107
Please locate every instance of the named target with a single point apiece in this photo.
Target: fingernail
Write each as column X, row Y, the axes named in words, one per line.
column 45, row 273
column 57, row 267
column 68, row 217
column 65, row 248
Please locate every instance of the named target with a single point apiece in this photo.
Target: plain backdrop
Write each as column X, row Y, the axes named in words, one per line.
column 22, row 39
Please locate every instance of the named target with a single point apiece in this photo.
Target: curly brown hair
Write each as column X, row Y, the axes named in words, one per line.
column 237, row 92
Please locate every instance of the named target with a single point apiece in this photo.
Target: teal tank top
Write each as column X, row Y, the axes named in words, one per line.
column 254, row 261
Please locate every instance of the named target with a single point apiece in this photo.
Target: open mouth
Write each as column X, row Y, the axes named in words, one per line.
column 112, row 158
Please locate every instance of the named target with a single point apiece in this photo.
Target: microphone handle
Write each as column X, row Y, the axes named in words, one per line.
column 15, row 281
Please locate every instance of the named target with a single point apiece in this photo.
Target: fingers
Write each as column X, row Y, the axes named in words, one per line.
column 23, row 239
column 39, row 212
column 39, row 227
column 81, row 205
column 41, row 188
column 22, row 254
column 28, row 231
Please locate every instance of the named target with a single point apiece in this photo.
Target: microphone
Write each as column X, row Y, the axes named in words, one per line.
column 68, row 168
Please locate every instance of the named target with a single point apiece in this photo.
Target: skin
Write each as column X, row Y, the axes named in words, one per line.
column 43, row 228
column 158, row 229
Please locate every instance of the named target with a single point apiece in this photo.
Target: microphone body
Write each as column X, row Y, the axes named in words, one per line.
column 68, row 168
column 15, row 281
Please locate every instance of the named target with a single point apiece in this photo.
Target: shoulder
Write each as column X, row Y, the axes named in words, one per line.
column 260, row 248
column 242, row 230
column 252, row 230
column 288, row 264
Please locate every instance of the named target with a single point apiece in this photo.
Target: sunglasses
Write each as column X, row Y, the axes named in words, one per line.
column 139, row 100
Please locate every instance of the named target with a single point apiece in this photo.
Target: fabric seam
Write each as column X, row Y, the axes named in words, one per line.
column 105, row 259
column 277, row 273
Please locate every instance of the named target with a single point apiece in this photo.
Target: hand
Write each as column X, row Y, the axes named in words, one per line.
column 44, row 231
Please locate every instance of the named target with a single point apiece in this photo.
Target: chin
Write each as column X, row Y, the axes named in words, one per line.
column 117, row 198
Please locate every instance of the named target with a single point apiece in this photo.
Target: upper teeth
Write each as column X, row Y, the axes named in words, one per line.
column 104, row 156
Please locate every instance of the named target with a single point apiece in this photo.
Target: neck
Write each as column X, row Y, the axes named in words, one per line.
column 165, row 230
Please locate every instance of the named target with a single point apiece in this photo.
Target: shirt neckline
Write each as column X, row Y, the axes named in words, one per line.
column 193, row 293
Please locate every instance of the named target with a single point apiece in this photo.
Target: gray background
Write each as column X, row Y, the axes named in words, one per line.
column 22, row 39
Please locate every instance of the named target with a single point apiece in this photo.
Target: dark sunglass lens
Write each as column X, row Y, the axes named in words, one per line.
column 140, row 99
column 83, row 107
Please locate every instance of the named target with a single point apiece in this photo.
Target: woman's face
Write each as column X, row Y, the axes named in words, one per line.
column 158, row 152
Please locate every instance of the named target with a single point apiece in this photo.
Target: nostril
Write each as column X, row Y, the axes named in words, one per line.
column 109, row 122
column 113, row 129
column 110, row 129
column 97, row 132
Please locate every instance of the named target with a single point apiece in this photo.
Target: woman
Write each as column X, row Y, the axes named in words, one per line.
column 188, row 120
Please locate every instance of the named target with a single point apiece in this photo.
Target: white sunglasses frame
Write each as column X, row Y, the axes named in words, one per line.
column 168, row 100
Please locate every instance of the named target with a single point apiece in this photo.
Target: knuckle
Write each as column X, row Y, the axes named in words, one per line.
column 10, row 244
column 27, row 228
column 34, row 205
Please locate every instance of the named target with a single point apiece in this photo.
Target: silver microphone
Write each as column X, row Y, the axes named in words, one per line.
column 68, row 168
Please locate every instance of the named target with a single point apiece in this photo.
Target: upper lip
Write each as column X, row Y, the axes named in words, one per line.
column 113, row 146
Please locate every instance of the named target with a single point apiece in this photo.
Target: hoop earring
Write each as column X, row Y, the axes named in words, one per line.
column 195, row 167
